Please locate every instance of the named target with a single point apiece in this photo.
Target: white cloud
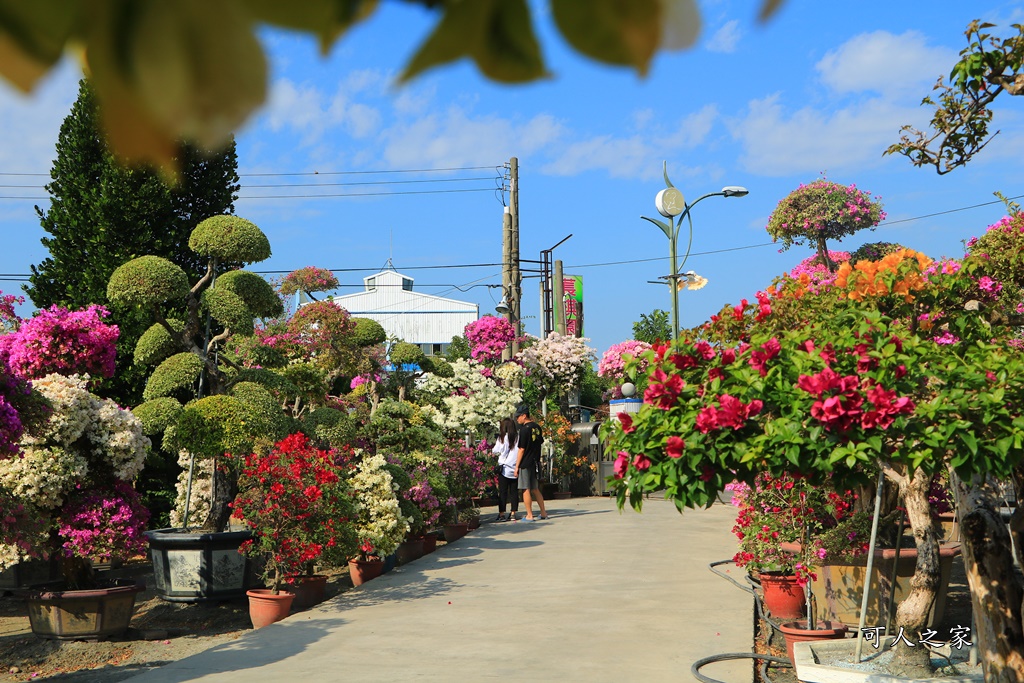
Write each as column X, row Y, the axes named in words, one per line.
column 810, row 141
column 725, row 38
column 636, row 156
column 883, row 62
column 31, row 122
column 454, row 138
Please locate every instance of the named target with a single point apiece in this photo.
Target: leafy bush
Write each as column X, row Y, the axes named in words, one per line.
column 176, row 375
column 230, row 239
column 147, row 281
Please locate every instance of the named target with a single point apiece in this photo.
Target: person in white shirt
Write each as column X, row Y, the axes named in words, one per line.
column 508, row 484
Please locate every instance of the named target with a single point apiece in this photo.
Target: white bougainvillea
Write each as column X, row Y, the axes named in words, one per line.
column 380, row 524
column 558, row 360
column 202, row 485
column 471, row 400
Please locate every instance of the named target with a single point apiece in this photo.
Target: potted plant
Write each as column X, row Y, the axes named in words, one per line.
column 877, row 382
column 464, row 473
column 300, row 508
column 613, row 366
column 190, row 362
column 562, row 441
column 71, row 458
column 380, row 526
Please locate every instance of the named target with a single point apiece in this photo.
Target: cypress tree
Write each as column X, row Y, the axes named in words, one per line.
column 103, row 214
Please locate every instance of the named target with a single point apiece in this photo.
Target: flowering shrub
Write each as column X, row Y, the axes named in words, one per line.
column 813, row 274
column 786, row 509
column 558, row 360
column 558, row 432
column 488, row 337
column 422, row 495
column 61, row 341
column 470, row 400
column 9, row 319
column 309, row 279
column 820, row 211
column 103, row 523
column 612, row 364
column 299, row 506
column 465, row 473
column 380, row 526
column 87, row 444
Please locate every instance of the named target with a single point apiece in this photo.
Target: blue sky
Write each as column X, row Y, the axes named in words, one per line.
column 821, row 88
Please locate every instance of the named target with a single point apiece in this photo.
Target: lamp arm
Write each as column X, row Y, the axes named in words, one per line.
column 686, row 214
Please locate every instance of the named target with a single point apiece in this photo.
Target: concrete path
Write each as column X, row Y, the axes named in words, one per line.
column 589, row 595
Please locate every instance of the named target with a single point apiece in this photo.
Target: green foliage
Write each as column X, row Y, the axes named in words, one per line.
column 100, row 210
column 251, row 351
column 266, row 417
column 256, row 292
column 330, row 426
column 215, row 425
column 274, row 381
column 368, row 332
column 593, row 386
column 400, row 427
column 988, row 66
column 229, row 238
column 653, row 328
column 156, row 344
column 458, row 349
column 158, row 414
column 441, row 367
column 147, row 281
column 176, row 377
column 229, row 310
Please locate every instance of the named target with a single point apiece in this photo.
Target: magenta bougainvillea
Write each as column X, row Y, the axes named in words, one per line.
column 104, row 523
column 60, row 341
column 818, row 275
column 488, row 337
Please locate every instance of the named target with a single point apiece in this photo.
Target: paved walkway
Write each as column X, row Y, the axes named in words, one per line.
column 589, row 595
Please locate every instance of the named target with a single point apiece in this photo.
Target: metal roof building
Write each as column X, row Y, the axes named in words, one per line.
column 424, row 319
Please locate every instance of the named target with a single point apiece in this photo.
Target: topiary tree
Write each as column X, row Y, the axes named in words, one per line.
column 188, row 354
column 820, row 211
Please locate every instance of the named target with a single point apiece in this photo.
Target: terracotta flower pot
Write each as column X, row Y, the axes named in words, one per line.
column 410, row 550
column 473, row 524
column 797, row 632
column 429, row 543
column 362, row 571
column 453, row 532
column 265, row 608
column 309, row 590
column 783, row 596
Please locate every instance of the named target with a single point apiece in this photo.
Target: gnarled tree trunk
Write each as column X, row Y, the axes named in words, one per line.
column 996, row 589
column 912, row 613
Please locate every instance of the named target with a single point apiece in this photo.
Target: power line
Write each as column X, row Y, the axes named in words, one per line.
column 325, row 173
column 363, row 194
column 367, row 182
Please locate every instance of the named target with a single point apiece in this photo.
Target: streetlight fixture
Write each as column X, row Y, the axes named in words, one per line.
column 671, row 204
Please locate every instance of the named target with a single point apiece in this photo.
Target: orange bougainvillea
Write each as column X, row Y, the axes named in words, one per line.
column 898, row 273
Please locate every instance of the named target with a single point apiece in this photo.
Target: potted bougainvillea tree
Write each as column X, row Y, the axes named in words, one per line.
column 67, row 485
column 912, row 371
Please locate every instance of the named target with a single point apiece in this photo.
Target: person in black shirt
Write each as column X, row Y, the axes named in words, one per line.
column 528, row 463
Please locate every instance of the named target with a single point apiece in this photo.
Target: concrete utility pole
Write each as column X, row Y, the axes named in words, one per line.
column 516, row 288
column 506, row 273
column 559, row 295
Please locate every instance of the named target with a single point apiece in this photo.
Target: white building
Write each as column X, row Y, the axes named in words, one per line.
column 424, row 319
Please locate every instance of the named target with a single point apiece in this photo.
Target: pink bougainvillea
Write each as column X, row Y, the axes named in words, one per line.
column 818, row 275
column 488, row 337
column 309, row 279
column 612, row 363
column 60, row 341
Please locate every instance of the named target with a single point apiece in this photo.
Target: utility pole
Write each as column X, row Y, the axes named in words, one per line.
column 506, row 274
column 559, row 295
column 516, row 284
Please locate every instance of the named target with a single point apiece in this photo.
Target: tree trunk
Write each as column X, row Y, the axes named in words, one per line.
column 823, row 255
column 996, row 590
column 912, row 613
column 225, row 488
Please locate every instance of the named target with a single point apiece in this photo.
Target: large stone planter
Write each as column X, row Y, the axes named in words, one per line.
column 199, row 567
column 83, row 614
column 29, row 573
column 809, row 662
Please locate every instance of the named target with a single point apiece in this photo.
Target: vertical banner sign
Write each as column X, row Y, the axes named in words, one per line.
column 572, row 304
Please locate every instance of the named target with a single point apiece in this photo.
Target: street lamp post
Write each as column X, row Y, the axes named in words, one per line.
column 671, row 204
